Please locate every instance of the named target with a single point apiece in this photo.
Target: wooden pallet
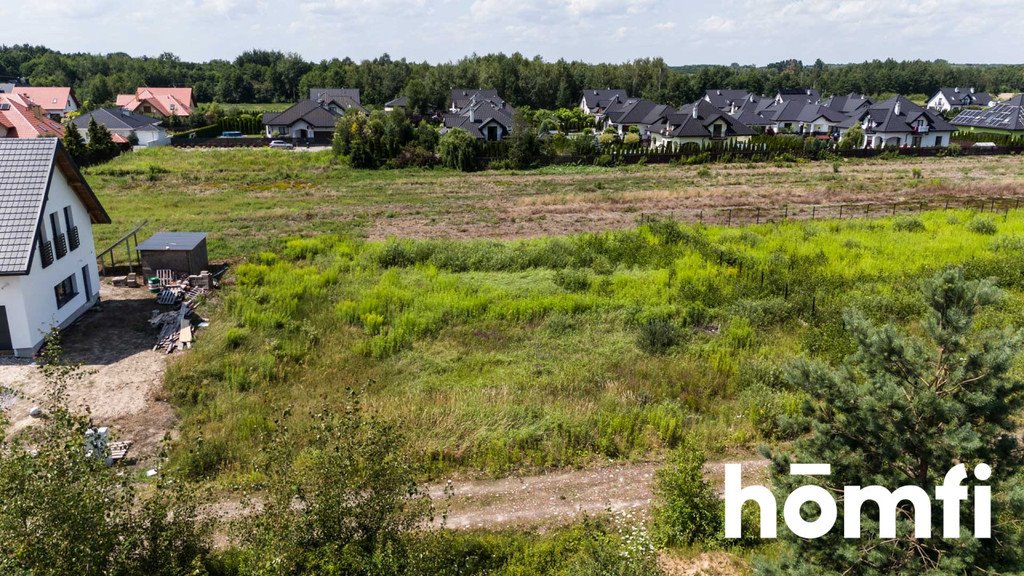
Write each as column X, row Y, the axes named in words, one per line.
column 119, row 450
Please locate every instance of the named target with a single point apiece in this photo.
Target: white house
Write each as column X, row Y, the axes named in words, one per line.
column 898, row 122
column 949, row 98
column 57, row 101
column 48, row 273
column 124, row 124
column 307, row 119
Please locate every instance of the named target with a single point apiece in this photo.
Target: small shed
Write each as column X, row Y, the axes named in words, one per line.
column 182, row 252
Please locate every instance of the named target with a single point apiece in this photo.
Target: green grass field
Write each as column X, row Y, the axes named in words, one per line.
column 518, row 353
column 556, row 352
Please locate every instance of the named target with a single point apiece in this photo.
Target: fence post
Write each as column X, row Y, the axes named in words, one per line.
column 786, row 217
column 729, row 223
column 893, row 208
column 757, row 216
column 840, row 211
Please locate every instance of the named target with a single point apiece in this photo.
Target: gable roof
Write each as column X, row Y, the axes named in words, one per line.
column 309, row 111
column 23, row 120
column 957, row 96
column 600, row 98
column 812, row 112
column 897, row 114
column 806, row 95
column 847, row 103
column 26, row 169
column 722, row 98
column 325, row 94
column 474, row 117
column 787, row 111
column 116, row 119
column 50, row 98
column 400, row 102
column 165, row 101
column 1007, row 115
column 686, row 124
column 461, row 97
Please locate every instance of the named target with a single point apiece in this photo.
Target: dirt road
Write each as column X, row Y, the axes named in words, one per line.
column 549, row 500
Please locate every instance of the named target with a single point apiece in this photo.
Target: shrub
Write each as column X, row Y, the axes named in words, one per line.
column 908, row 224
column 572, row 280
column 457, row 149
column 916, row 173
column 688, row 512
column 603, row 160
column 631, row 138
column 982, row 225
column 704, row 172
column 657, row 335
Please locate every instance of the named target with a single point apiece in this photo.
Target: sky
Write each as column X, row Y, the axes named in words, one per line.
column 681, row 32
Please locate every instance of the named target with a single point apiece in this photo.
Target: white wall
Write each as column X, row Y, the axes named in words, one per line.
column 938, row 102
column 29, row 300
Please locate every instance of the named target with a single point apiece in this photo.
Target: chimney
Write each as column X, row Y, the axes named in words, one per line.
column 897, row 110
column 972, row 89
column 694, row 113
column 472, row 115
column 956, row 89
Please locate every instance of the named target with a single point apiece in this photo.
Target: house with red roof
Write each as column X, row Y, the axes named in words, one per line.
column 20, row 118
column 57, row 101
column 165, row 102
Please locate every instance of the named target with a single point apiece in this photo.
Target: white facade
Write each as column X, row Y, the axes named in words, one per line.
column 30, row 301
column 906, row 139
column 300, row 129
column 148, row 135
column 939, row 103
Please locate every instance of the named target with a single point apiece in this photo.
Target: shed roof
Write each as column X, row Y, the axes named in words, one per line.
column 172, row 241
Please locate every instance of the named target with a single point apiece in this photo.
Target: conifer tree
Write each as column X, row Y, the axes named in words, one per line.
column 100, row 146
column 902, row 410
column 74, row 143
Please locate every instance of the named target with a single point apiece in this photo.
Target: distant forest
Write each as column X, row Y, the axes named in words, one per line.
column 268, row 76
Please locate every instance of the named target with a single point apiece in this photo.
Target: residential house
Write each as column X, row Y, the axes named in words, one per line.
column 699, row 123
column 955, row 98
column 820, row 121
column 400, row 103
column 304, row 120
column 48, row 272
column 124, row 125
column 56, row 101
column 748, row 112
column 338, row 100
column 596, row 101
column 785, row 115
column 726, row 98
column 898, row 122
column 1004, row 118
column 489, row 119
column 636, row 112
column 22, row 119
column 847, row 103
column 804, row 95
column 163, row 102
column 460, row 98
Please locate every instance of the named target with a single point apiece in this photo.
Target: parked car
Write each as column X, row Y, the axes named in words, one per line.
column 280, row 144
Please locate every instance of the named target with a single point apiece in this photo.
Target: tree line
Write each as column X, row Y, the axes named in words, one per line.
column 273, row 76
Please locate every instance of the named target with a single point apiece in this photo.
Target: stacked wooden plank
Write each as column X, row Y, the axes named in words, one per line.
column 175, row 329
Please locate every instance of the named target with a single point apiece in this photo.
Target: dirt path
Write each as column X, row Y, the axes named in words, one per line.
column 549, row 500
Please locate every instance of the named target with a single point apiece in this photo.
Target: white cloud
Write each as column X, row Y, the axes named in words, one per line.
column 665, row 26
column 716, row 23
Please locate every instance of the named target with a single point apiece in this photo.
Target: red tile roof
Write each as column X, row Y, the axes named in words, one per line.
column 53, row 99
column 25, row 120
column 164, row 101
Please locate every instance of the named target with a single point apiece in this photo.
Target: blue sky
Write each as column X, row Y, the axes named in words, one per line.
column 685, row 32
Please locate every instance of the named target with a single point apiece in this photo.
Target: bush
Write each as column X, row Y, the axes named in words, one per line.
column 457, row 149
column 982, row 225
column 603, row 160
column 688, row 512
column 572, row 280
column 908, row 224
column 657, row 335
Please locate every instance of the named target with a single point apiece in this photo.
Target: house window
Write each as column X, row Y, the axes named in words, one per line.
column 938, row 141
column 60, row 243
column 65, row 291
column 69, row 221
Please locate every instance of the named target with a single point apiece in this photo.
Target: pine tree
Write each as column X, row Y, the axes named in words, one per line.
column 74, row 143
column 902, row 410
column 100, row 146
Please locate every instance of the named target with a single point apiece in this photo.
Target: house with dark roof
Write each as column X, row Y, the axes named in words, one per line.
column 803, row 95
column 595, row 101
column 898, row 122
column 723, row 98
column 785, row 115
column 1004, row 118
column 636, row 112
column 124, row 125
column 47, row 257
column 338, row 100
column 400, row 103
column 820, row 121
column 304, row 120
column 20, row 118
column 955, row 98
column 162, row 102
column 460, row 98
column 847, row 103
column 699, row 123
column 487, row 119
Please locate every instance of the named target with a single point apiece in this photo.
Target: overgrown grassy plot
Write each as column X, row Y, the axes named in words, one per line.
column 500, row 355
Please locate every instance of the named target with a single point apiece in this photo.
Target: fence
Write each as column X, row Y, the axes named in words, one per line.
column 131, row 256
